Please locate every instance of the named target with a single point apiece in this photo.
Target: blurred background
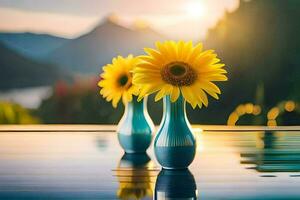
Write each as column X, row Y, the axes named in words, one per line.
column 52, row 52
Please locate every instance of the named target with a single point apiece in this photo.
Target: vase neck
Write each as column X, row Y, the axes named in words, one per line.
column 135, row 105
column 173, row 110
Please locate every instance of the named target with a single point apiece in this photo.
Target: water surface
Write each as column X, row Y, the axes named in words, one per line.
column 91, row 165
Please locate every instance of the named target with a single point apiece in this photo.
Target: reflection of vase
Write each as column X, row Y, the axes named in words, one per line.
column 135, row 128
column 175, row 184
column 134, row 175
column 135, row 161
column 175, row 144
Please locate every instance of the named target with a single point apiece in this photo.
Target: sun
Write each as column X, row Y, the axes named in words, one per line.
column 195, row 9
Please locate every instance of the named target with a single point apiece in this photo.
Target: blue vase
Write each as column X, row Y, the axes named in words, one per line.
column 175, row 184
column 136, row 127
column 175, row 144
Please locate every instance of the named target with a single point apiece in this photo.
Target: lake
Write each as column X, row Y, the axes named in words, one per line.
column 27, row 97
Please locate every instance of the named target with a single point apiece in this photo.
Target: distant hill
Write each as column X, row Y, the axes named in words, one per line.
column 260, row 44
column 87, row 53
column 18, row 71
column 32, row 45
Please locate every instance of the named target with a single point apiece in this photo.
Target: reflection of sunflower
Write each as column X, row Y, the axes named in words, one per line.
column 135, row 190
column 136, row 182
column 180, row 67
column 117, row 80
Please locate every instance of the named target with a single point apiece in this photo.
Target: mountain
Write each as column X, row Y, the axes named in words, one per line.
column 32, row 45
column 260, row 44
column 18, row 71
column 87, row 53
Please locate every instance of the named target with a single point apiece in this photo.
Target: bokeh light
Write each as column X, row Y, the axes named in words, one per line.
column 285, row 106
column 243, row 109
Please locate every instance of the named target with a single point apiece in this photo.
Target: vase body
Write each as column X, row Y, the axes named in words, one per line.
column 135, row 128
column 175, row 144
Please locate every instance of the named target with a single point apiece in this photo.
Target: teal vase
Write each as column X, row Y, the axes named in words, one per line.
column 136, row 127
column 175, row 144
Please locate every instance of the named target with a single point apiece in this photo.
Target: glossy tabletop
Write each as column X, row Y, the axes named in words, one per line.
column 86, row 162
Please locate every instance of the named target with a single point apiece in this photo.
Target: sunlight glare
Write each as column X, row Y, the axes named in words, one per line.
column 195, row 9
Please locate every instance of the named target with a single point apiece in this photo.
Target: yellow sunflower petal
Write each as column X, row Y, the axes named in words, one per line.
column 171, row 46
column 175, row 94
column 148, row 89
column 188, row 95
column 196, row 52
column 155, row 54
column 199, row 95
column 165, row 90
column 203, row 97
column 187, row 49
column 217, row 77
column 116, row 99
column 151, row 60
column 180, row 50
column 163, row 48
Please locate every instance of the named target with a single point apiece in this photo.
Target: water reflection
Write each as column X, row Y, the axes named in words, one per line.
column 136, row 175
column 101, row 143
column 175, row 184
column 274, row 152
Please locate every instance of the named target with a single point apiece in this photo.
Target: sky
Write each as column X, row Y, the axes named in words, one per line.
column 178, row 19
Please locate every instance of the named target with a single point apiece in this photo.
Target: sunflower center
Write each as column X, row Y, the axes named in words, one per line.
column 123, row 80
column 177, row 70
column 178, row 74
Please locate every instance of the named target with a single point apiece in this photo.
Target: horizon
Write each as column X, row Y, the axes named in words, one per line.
column 73, row 19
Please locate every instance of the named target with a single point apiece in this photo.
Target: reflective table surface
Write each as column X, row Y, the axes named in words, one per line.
column 86, row 162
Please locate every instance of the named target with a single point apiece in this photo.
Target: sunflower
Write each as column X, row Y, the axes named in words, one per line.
column 116, row 80
column 179, row 67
